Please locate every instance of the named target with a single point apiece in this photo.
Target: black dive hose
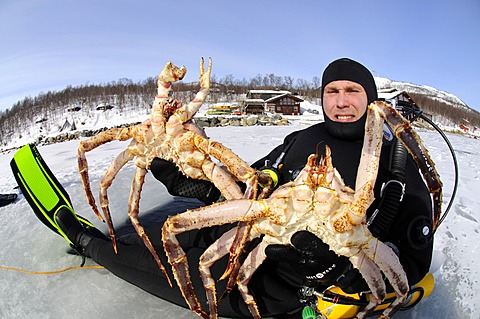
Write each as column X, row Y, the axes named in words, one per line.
column 392, row 192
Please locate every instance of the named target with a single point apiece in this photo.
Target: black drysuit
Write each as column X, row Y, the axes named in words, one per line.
column 275, row 284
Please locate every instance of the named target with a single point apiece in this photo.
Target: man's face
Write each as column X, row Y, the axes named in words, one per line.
column 344, row 101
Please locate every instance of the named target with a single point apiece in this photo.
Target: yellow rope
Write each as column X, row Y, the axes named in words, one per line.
column 50, row 272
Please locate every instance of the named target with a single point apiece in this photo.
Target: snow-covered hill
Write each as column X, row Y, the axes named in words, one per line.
column 426, row 90
column 90, row 117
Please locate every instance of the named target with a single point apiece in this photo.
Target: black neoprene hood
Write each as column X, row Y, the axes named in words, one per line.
column 350, row 70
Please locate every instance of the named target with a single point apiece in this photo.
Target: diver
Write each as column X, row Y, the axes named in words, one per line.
column 347, row 88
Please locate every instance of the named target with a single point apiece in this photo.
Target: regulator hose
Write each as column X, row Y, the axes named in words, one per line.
column 391, row 194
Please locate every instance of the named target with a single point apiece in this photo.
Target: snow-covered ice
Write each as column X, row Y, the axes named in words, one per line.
column 95, row 293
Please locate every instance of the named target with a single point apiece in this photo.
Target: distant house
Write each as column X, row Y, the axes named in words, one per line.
column 286, row 104
column 262, row 101
column 253, row 106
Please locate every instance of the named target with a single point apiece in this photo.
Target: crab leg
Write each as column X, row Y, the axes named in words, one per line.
column 253, row 261
column 238, row 243
column 389, row 264
column 374, row 249
column 251, row 178
column 371, row 149
column 213, row 253
column 112, row 171
column 188, row 111
column 244, row 173
column 133, row 209
column 372, row 275
column 410, row 139
column 178, row 260
column 368, row 167
column 235, row 165
column 377, row 251
column 121, row 134
column 216, row 214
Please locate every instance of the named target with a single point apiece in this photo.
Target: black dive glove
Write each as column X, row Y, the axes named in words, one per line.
column 178, row 184
column 311, row 258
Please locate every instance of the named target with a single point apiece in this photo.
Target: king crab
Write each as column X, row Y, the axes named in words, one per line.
column 317, row 201
column 169, row 134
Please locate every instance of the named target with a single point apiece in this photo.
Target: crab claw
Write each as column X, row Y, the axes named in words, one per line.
column 171, row 73
column 205, row 76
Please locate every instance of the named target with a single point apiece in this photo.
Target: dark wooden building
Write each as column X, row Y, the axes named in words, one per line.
column 286, row 104
column 253, row 106
column 263, row 101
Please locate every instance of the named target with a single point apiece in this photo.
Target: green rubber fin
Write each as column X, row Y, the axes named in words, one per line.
column 41, row 189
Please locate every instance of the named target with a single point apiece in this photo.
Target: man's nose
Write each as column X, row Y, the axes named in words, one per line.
column 342, row 99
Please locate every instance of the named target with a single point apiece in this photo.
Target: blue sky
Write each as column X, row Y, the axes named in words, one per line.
column 47, row 45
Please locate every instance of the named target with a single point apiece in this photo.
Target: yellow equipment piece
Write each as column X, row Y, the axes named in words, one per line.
column 337, row 307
